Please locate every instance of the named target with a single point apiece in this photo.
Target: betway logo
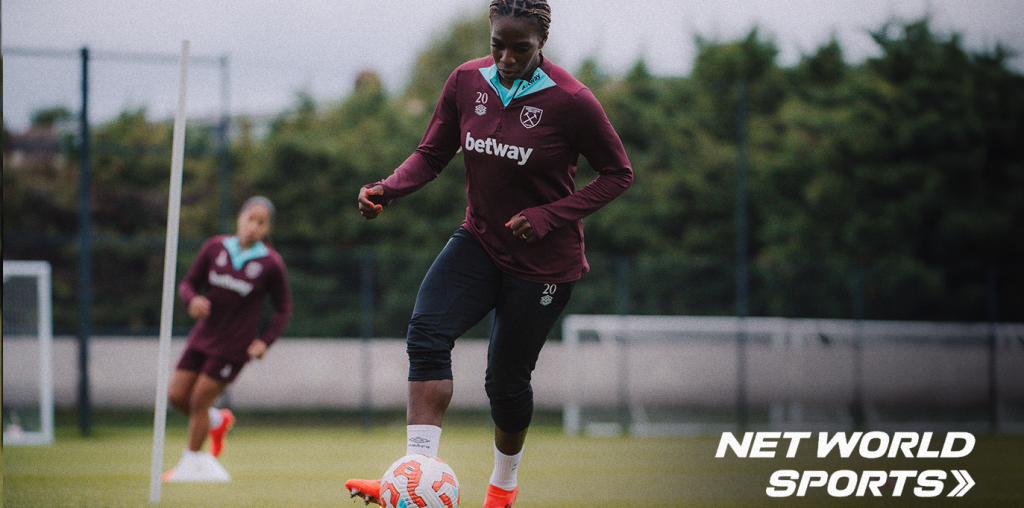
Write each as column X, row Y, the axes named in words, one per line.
column 228, row 282
column 493, row 147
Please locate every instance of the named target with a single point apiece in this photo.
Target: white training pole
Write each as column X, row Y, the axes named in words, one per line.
column 170, row 262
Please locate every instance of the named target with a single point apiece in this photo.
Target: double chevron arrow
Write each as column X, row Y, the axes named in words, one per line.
column 965, row 482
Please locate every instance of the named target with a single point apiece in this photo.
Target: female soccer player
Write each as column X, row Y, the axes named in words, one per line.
column 522, row 123
column 224, row 291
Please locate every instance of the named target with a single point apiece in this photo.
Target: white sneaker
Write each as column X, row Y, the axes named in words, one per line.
column 197, row 467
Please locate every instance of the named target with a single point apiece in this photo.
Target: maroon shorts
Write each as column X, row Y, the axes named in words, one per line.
column 217, row 368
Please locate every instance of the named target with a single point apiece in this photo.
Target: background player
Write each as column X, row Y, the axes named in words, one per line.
column 522, row 123
column 224, row 291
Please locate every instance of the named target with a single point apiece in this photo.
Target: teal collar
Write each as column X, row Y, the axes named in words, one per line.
column 520, row 87
column 240, row 257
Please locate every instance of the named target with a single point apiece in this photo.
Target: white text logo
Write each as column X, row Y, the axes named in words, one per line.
column 493, row 147
column 871, row 445
column 228, row 282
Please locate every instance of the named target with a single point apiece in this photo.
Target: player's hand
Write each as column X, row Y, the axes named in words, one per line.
column 199, row 307
column 368, row 209
column 522, row 229
column 257, row 349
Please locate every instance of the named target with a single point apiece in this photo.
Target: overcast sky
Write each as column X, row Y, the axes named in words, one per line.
column 277, row 49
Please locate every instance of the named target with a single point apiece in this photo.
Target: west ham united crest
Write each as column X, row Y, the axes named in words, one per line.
column 530, row 116
column 253, row 269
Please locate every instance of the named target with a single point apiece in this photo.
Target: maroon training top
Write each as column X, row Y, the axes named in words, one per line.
column 236, row 284
column 521, row 148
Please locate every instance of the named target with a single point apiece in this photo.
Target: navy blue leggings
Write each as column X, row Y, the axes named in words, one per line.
column 460, row 289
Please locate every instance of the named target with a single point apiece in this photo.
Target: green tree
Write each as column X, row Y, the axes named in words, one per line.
column 902, row 175
column 468, row 39
column 49, row 116
column 903, row 166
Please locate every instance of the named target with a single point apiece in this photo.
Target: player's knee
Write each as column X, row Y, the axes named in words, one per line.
column 510, row 411
column 507, row 383
column 429, row 365
column 430, row 357
column 510, row 402
column 178, row 400
column 199, row 404
column 508, row 393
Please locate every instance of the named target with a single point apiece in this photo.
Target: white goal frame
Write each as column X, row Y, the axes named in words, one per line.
column 41, row 271
column 618, row 364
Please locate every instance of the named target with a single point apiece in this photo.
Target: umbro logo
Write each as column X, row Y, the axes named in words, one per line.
column 418, row 440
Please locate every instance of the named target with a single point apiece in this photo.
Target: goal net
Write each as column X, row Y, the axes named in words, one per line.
column 672, row 375
column 27, row 354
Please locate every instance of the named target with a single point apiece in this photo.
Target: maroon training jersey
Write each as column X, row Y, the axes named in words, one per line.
column 521, row 148
column 236, row 283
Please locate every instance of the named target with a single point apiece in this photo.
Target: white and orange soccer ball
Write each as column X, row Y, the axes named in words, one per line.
column 418, row 481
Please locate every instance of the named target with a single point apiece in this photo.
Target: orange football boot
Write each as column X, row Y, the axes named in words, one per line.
column 217, row 435
column 500, row 498
column 367, row 490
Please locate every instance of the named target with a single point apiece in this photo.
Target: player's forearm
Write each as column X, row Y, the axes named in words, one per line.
column 591, row 198
column 412, row 175
column 187, row 290
column 276, row 326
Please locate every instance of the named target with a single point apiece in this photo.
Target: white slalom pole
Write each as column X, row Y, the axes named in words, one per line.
column 170, row 262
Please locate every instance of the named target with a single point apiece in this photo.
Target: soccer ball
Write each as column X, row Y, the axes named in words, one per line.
column 418, row 481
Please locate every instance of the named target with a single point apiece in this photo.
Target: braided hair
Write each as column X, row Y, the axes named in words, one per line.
column 537, row 9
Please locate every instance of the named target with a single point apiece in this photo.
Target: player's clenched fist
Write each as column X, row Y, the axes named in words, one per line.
column 199, row 307
column 367, row 208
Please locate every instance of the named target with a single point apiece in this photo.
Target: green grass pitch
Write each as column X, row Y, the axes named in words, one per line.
column 304, row 460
